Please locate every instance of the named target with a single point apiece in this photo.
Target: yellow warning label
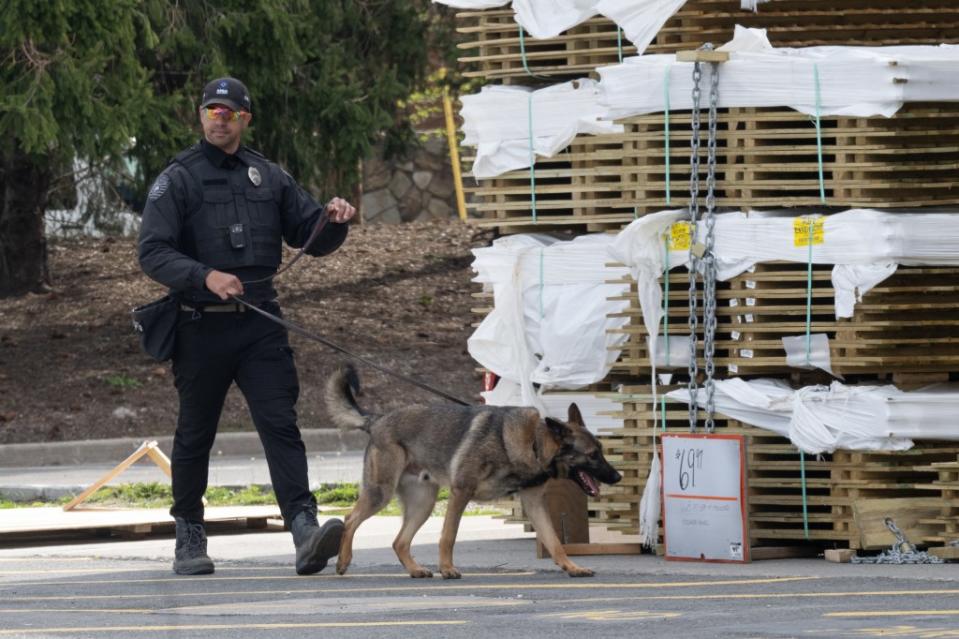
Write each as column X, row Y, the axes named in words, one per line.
column 680, row 236
column 802, row 227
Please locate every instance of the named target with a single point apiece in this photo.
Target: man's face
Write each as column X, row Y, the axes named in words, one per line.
column 223, row 127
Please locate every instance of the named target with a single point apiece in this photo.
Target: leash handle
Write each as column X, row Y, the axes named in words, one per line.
column 322, row 340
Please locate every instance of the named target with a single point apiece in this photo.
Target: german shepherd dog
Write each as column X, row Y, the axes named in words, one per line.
column 480, row 452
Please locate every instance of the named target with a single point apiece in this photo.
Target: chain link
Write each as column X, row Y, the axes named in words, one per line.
column 692, row 386
column 706, row 264
column 901, row 552
column 709, row 272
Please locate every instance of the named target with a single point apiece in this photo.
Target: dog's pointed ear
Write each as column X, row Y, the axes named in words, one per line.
column 575, row 417
column 558, row 429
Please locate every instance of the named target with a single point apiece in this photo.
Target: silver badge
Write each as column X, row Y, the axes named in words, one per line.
column 254, row 176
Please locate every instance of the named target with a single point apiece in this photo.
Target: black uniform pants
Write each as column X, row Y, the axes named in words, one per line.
column 213, row 350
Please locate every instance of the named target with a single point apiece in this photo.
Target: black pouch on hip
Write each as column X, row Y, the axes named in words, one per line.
column 156, row 324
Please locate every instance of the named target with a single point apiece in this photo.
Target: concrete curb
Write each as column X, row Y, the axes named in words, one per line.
column 107, row 451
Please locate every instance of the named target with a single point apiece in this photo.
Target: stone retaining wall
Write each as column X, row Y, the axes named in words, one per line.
column 417, row 187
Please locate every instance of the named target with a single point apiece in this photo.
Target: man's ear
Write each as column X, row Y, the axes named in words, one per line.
column 575, row 417
column 558, row 428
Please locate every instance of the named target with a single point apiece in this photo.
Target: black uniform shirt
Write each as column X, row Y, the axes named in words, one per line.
column 168, row 256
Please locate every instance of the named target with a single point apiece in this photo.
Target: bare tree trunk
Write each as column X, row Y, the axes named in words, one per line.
column 24, row 188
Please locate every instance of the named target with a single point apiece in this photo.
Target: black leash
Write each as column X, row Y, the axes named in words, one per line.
column 320, row 224
column 322, row 340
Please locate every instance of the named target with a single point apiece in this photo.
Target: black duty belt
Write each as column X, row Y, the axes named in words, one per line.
column 214, row 308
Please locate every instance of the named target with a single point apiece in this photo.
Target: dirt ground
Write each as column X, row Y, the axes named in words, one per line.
column 71, row 367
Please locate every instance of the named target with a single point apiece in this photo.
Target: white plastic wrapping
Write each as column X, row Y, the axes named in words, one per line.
column 551, row 319
column 865, row 246
column 852, row 81
column 822, row 419
column 640, row 20
column 502, row 122
column 596, row 409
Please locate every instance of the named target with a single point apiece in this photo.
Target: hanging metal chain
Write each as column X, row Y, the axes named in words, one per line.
column 709, row 271
column 692, row 386
column 901, row 552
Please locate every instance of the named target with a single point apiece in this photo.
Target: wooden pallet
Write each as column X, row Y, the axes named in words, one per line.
column 34, row 525
column 579, row 188
column 766, row 158
column 775, row 469
column 907, row 325
column 490, row 43
column 946, row 487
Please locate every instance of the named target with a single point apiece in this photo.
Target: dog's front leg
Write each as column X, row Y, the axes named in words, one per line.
column 534, row 505
column 459, row 498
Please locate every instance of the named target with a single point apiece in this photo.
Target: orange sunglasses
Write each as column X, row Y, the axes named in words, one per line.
column 222, row 113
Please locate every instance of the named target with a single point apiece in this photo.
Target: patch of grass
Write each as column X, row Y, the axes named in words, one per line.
column 340, row 497
column 123, row 382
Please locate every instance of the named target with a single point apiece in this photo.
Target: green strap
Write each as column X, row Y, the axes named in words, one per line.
column 532, row 159
column 522, row 53
column 822, row 183
column 812, row 227
column 666, row 103
column 619, row 42
column 805, row 501
column 666, row 301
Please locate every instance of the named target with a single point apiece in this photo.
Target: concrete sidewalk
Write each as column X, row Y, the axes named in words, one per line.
column 41, row 483
column 32, row 472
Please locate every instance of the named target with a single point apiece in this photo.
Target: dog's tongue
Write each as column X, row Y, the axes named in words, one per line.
column 589, row 483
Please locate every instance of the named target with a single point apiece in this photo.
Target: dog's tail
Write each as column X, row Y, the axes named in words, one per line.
column 341, row 391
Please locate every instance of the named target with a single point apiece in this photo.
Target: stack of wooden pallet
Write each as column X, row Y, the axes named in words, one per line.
column 907, row 324
column 491, row 47
column 767, row 157
column 790, row 498
column 904, row 330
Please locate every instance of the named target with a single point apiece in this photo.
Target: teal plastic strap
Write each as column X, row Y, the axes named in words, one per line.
column 666, row 301
column 619, row 42
column 805, row 500
column 532, row 160
column 522, row 53
column 666, row 122
column 812, row 228
column 662, row 403
column 822, row 183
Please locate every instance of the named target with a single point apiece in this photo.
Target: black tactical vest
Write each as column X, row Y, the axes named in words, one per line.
column 237, row 223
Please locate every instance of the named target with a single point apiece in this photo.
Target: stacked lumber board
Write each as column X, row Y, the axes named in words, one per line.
column 765, row 158
column 907, row 324
column 775, row 478
column 490, row 46
column 904, row 330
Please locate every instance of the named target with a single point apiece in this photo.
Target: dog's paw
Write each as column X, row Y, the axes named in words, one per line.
column 421, row 573
column 577, row 571
column 452, row 573
column 341, row 568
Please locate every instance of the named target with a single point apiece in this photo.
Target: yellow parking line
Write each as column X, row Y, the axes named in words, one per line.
column 561, row 583
column 252, row 626
column 891, row 613
column 775, row 595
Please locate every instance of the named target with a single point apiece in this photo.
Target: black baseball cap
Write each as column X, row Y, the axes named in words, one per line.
column 228, row 91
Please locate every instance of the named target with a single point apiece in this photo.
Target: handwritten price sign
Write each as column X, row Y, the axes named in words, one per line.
column 704, row 512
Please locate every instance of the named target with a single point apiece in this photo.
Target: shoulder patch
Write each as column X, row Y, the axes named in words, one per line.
column 159, row 187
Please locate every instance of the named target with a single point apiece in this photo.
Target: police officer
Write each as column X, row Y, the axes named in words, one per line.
column 212, row 228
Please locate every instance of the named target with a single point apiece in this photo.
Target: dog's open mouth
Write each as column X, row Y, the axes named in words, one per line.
column 586, row 481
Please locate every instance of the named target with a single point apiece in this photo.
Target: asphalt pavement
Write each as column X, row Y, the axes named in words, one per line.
column 125, row 588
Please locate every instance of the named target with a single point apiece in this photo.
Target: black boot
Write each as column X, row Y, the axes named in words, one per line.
column 314, row 545
column 191, row 557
